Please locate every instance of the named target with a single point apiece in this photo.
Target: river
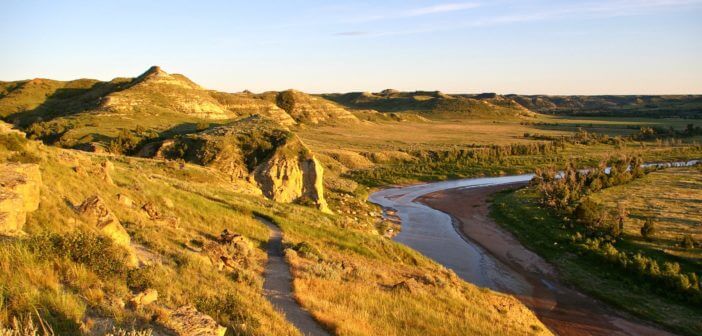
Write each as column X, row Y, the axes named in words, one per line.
column 481, row 258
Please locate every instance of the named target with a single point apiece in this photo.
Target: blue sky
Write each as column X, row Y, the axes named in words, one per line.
column 504, row 46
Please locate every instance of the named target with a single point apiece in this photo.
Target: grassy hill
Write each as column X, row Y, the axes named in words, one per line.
column 654, row 106
column 89, row 114
column 432, row 104
column 78, row 279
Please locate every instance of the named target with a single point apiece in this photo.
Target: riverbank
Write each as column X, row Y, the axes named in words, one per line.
column 564, row 310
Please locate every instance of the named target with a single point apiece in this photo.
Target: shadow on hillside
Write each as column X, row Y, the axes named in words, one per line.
column 66, row 102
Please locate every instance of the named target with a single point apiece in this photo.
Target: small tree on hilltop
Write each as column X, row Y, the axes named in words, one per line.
column 648, row 230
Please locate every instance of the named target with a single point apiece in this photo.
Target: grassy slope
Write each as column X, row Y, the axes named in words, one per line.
column 539, row 230
column 672, row 198
column 349, row 289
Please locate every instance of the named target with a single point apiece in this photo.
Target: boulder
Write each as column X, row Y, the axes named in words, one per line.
column 230, row 250
column 20, row 186
column 144, row 298
column 152, row 211
column 188, row 321
column 125, row 200
column 97, row 212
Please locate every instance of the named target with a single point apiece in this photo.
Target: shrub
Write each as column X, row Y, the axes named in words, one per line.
column 201, row 126
column 139, row 279
column 648, row 230
column 12, row 142
column 97, row 253
column 307, row 250
column 688, row 242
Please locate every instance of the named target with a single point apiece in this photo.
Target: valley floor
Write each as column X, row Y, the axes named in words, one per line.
column 564, row 310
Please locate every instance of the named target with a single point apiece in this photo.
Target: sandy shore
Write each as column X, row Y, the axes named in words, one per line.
column 562, row 309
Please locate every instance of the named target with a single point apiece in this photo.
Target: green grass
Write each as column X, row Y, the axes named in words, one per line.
column 539, row 230
column 347, row 286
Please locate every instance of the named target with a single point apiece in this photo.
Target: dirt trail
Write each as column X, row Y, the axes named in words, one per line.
column 562, row 309
column 277, row 285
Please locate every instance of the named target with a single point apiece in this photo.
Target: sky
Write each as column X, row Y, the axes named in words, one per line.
column 503, row 46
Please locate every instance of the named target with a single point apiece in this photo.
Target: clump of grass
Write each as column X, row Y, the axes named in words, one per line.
column 97, row 252
column 26, row 326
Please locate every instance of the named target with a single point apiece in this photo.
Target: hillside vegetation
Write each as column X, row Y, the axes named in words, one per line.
column 124, row 243
column 627, row 237
column 131, row 204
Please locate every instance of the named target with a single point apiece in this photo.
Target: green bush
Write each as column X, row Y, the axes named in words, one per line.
column 648, row 230
column 98, row 253
column 12, row 142
column 307, row 250
column 688, row 242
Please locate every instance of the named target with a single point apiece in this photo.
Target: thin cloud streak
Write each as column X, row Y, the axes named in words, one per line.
column 589, row 10
column 418, row 12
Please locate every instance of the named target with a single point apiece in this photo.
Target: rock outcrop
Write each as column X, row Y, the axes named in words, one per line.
column 96, row 211
column 292, row 174
column 20, row 186
column 188, row 321
column 259, row 150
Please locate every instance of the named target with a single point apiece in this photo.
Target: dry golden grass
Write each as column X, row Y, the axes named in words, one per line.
column 349, row 290
column 672, row 198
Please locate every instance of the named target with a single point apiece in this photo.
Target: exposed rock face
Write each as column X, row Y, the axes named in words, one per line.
column 257, row 149
column 287, row 178
column 95, row 210
column 305, row 108
column 187, row 321
column 19, row 193
column 156, row 92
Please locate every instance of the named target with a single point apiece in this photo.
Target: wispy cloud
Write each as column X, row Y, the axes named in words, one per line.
column 352, row 33
column 441, row 8
column 417, row 12
column 584, row 10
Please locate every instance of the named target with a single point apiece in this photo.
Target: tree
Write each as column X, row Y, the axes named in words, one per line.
column 589, row 214
column 688, row 242
column 622, row 215
column 648, row 230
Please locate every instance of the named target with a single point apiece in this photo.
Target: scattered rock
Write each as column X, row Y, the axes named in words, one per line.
column 229, row 251
column 156, row 215
column 410, row 285
column 95, row 209
column 125, row 200
column 187, row 321
column 144, row 298
column 19, row 193
column 152, row 211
